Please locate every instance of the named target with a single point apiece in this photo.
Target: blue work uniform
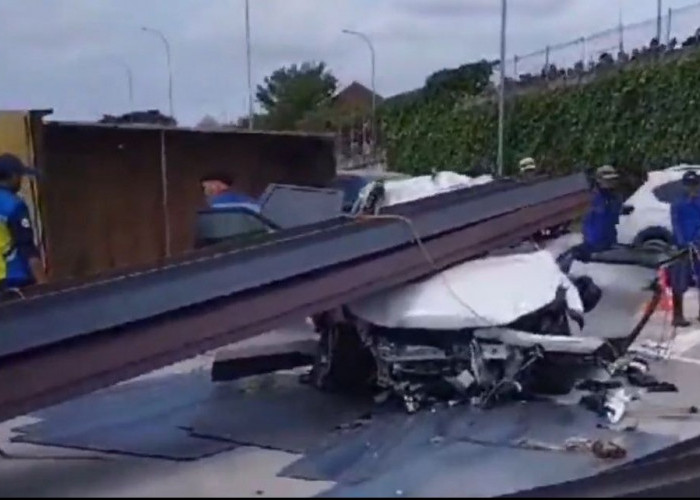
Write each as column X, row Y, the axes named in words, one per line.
column 685, row 220
column 229, row 199
column 17, row 245
column 599, row 224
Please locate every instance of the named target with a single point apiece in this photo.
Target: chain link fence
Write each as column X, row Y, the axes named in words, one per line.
column 616, row 44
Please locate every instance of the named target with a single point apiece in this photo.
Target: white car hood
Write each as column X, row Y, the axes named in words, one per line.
column 405, row 190
column 494, row 291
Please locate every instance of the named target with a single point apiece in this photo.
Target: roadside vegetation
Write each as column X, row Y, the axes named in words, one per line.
column 636, row 116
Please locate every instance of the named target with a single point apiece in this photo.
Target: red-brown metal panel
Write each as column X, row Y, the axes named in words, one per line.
column 102, row 190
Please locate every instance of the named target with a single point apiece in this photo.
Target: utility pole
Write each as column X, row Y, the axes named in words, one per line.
column 658, row 20
column 502, row 89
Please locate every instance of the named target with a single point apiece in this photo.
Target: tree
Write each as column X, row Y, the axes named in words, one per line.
column 259, row 121
column 208, row 122
column 291, row 92
column 470, row 79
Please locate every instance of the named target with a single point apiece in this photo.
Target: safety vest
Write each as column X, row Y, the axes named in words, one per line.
column 12, row 268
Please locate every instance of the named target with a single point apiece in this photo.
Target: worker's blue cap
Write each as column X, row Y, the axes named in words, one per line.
column 10, row 164
column 691, row 178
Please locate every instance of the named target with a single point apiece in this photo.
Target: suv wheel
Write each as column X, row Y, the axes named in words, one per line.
column 657, row 244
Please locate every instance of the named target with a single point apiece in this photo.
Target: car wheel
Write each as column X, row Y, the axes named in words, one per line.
column 656, row 244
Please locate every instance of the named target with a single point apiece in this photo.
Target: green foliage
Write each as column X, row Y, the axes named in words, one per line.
column 470, row 79
column 291, row 92
column 640, row 117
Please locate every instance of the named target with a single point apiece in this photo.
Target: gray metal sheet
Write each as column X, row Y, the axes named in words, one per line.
column 282, row 415
column 468, row 470
column 474, row 456
column 144, row 418
column 161, row 439
column 132, row 298
column 394, row 443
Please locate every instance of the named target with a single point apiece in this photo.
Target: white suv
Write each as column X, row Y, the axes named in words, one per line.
column 646, row 215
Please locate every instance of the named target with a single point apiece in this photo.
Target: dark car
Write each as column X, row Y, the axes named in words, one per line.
column 351, row 182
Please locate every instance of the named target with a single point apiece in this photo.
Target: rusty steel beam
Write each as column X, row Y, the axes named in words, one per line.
column 69, row 368
column 132, row 298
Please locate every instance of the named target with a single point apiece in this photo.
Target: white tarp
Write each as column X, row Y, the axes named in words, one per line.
column 405, row 190
column 493, row 291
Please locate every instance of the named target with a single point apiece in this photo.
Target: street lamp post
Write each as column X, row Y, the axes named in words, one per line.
column 163, row 150
column 170, row 68
column 129, row 79
column 251, row 113
column 502, row 88
column 367, row 40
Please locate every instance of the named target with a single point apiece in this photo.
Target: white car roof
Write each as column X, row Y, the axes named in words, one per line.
column 683, row 167
column 656, row 177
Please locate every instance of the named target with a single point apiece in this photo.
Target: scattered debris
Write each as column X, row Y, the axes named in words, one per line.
column 608, row 450
column 616, row 405
column 662, row 387
column 436, row 440
column 355, row 424
column 594, row 402
column 598, row 385
column 603, row 449
column 628, row 425
column 638, row 375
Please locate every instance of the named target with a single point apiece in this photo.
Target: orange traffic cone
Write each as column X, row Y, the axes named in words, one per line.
column 666, row 303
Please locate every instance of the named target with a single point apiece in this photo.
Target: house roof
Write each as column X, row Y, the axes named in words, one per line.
column 356, row 89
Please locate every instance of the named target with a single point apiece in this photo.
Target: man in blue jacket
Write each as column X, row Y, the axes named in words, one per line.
column 685, row 219
column 599, row 224
column 20, row 262
column 218, row 189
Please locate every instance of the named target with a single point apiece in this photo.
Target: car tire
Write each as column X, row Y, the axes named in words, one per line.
column 658, row 244
column 654, row 238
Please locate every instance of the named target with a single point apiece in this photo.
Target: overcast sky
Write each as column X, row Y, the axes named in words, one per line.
column 68, row 54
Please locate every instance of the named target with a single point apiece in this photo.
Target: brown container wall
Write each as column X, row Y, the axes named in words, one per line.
column 102, row 198
column 102, row 190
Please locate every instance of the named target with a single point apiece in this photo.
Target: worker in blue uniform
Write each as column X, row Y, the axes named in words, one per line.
column 685, row 220
column 20, row 261
column 600, row 223
column 220, row 193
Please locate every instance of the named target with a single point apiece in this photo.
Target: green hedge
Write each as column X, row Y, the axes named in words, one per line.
column 644, row 116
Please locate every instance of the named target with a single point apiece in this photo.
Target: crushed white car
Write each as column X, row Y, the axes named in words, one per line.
column 395, row 192
column 476, row 294
column 483, row 330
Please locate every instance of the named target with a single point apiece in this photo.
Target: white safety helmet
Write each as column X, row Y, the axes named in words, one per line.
column 606, row 173
column 527, row 165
